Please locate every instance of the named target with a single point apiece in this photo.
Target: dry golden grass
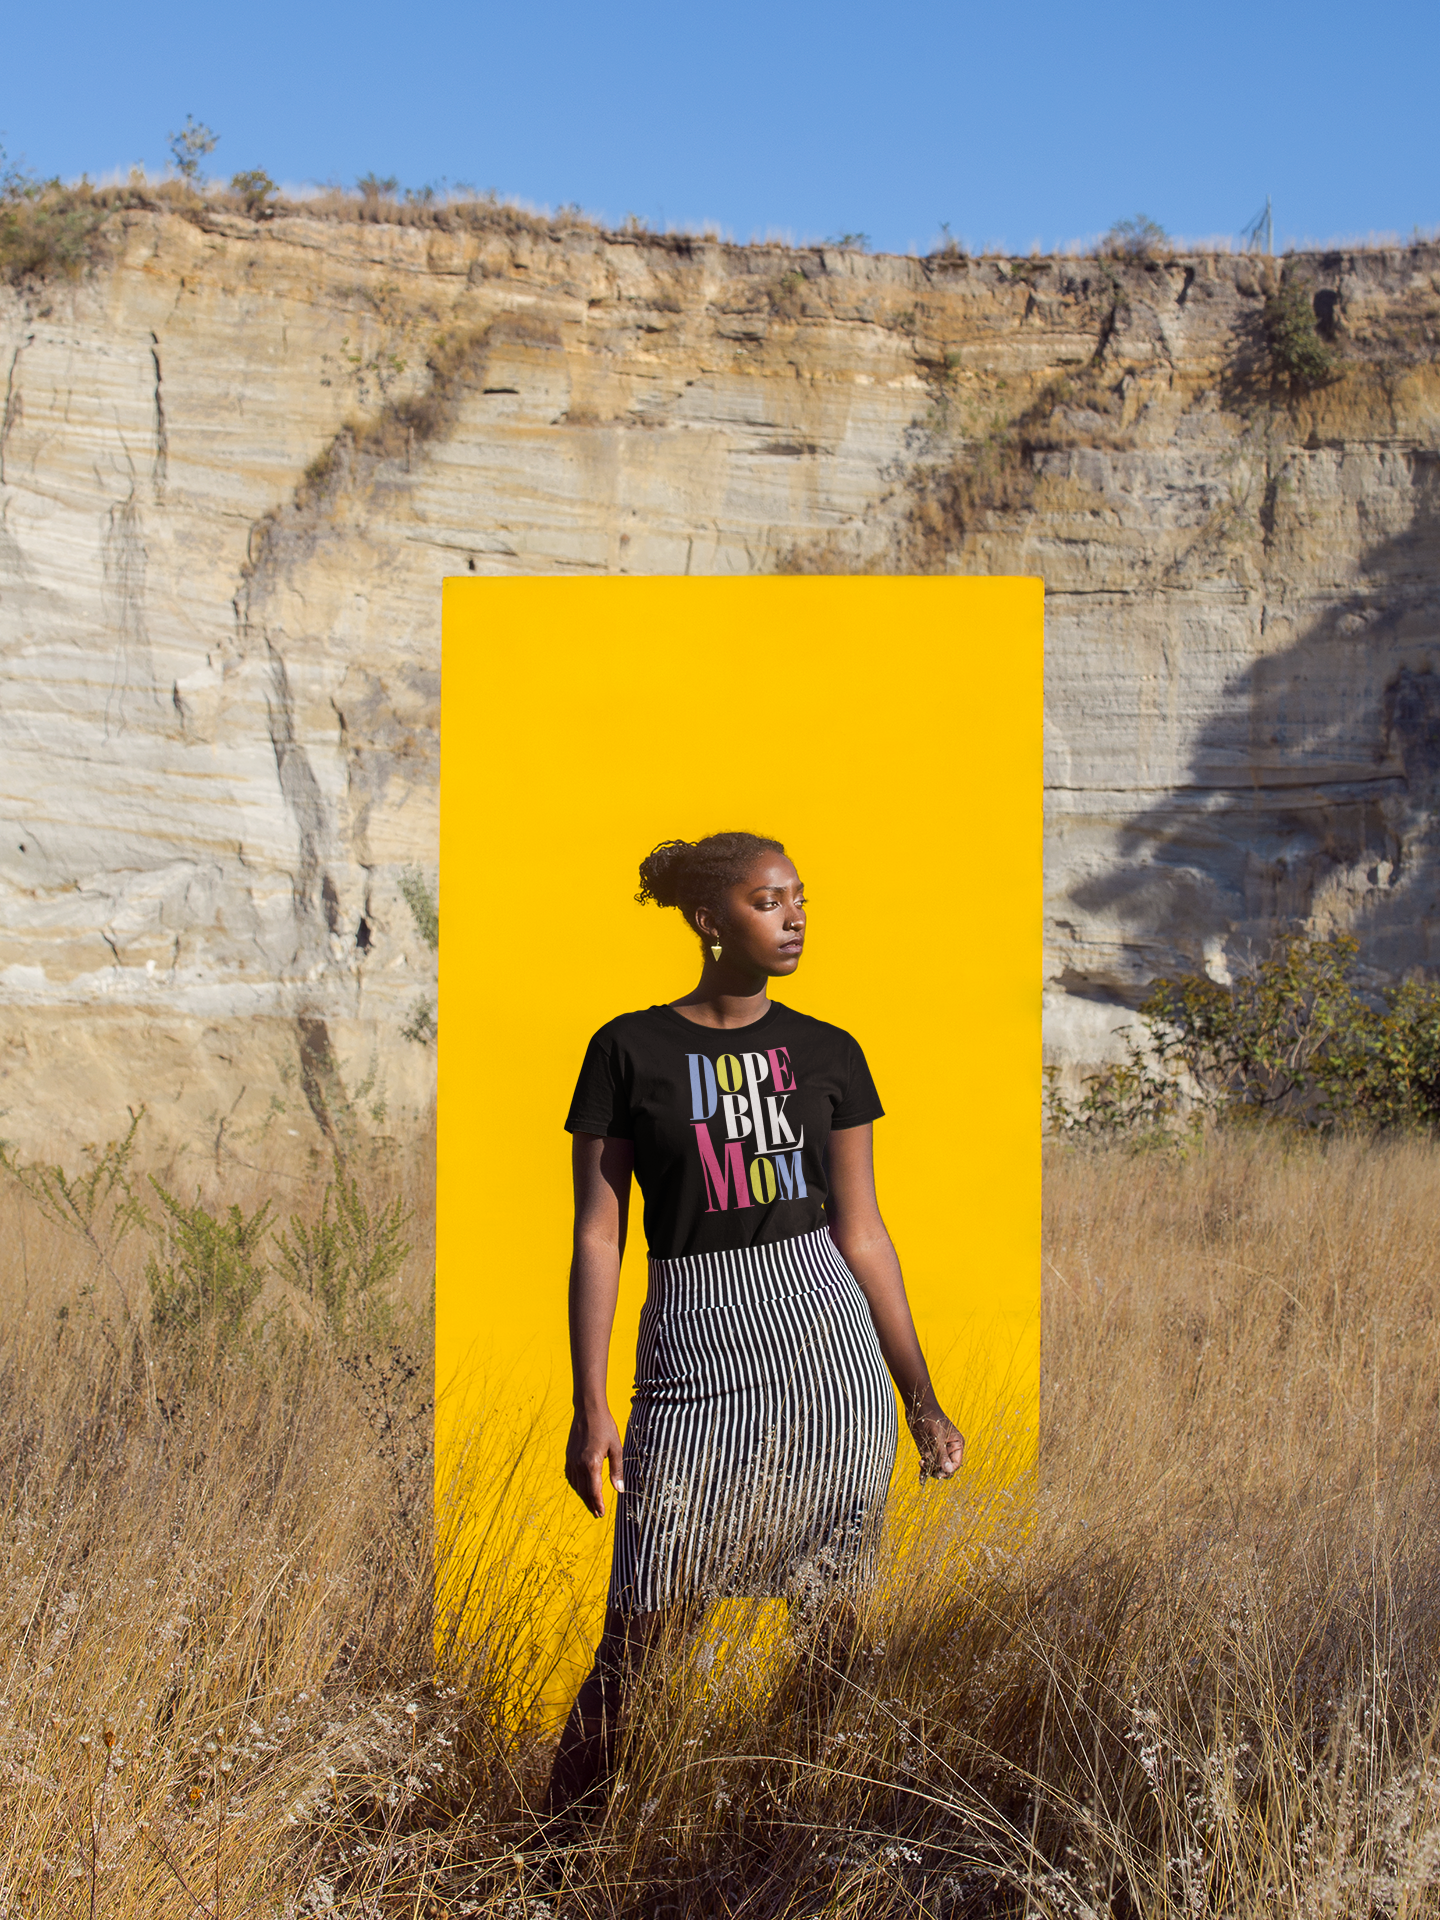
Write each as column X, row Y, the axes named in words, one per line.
column 1193, row 1672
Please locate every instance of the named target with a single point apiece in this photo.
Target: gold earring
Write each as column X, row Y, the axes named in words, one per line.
column 716, row 952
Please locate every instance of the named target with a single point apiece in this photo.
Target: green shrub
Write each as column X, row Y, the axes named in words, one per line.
column 47, row 230
column 1392, row 1079
column 1267, row 1043
column 346, row 1260
column 1293, row 1039
column 1297, row 353
column 421, row 1025
column 210, row 1273
column 1136, row 239
column 787, row 295
column 424, row 910
column 100, row 1205
column 1135, row 1099
column 256, row 189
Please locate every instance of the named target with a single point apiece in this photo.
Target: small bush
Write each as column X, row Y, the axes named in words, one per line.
column 424, row 909
column 346, row 1260
column 1295, row 1039
column 1136, row 239
column 421, row 1025
column 100, row 1205
column 1136, row 1099
column 212, row 1273
column 46, row 229
column 787, row 295
column 1297, row 353
column 1270, row 1042
column 256, row 189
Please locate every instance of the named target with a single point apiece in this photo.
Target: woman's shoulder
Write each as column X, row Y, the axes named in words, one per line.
column 819, row 1032
column 629, row 1026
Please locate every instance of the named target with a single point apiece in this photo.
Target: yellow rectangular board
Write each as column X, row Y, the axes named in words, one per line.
column 888, row 731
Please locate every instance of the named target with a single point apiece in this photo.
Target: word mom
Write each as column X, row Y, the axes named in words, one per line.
column 752, row 1119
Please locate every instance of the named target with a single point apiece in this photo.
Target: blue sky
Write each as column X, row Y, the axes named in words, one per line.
column 801, row 120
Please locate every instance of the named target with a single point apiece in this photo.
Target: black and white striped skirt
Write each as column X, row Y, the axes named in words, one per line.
column 762, row 1434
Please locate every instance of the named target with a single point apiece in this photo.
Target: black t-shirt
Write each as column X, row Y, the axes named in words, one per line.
column 730, row 1124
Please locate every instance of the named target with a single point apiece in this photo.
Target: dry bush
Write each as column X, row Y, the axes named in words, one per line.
column 47, row 231
column 1193, row 1671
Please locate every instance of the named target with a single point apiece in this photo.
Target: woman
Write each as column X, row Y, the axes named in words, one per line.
column 762, row 1434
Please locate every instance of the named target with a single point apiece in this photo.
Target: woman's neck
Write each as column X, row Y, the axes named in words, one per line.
column 723, row 999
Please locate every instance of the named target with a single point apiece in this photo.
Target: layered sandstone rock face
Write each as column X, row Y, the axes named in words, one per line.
column 237, row 460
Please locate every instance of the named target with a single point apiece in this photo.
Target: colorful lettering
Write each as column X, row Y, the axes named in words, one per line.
column 790, row 1174
column 757, row 1068
column 783, row 1072
column 702, row 1076
column 775, row 1169
column 780, row 1128
column 718, row 1178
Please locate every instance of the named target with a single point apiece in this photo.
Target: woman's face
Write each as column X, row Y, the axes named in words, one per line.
column 763, row 921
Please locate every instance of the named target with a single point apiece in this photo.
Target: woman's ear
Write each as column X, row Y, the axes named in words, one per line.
column 705, row 926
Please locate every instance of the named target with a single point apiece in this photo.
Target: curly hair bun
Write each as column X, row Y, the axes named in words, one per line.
column 695, row 873
column 660, row 872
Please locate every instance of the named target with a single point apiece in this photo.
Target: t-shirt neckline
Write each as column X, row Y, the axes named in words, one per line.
column 693, row 1026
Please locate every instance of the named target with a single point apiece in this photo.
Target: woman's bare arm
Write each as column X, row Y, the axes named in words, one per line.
column 859, row 1232
column 602, row 1170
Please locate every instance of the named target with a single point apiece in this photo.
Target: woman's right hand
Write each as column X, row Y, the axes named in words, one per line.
column 939, row 1442
column 594, row 1439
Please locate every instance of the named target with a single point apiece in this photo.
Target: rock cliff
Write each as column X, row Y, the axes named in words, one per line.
column 238, row 457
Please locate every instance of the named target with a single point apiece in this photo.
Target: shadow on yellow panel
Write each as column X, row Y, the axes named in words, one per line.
column 888, row 731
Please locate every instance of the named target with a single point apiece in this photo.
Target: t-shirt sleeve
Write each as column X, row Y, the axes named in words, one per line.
column 859, row 1103
column 600, row 1103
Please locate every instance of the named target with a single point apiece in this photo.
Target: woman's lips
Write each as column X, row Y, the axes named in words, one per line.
column 792, row 946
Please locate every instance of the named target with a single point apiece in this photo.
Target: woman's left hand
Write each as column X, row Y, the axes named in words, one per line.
column 940, row 1443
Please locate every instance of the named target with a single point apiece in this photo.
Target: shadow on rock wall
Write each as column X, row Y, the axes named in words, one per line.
column 1314, row 794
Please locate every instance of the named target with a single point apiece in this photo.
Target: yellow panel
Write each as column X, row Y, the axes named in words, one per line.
column 888, row 731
